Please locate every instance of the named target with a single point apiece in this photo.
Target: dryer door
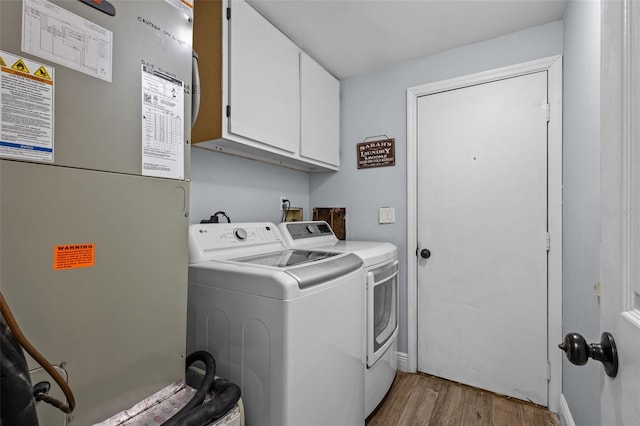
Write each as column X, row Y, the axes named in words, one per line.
column 382, row 310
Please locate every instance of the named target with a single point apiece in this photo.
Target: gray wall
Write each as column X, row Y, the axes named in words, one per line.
column 247, row 190
column 375, row 104
column 581, row 210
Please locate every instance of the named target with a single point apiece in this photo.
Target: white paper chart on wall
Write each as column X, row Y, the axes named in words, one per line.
column 162, row 124
column 57, row 35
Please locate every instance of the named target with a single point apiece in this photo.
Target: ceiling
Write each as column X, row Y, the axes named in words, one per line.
column 354, row 37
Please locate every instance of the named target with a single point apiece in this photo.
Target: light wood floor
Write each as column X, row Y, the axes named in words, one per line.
column 419, row 399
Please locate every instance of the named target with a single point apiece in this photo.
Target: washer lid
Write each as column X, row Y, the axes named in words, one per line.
column 317, row 235
column 279, row 282
column 317, row 273
column 281, row 259
column 308, row 267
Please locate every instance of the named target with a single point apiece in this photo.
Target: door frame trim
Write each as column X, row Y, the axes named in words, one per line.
column 553, row 65
column 619, row 147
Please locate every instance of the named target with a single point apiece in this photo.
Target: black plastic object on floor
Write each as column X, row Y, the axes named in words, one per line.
column 17, row 405
column 197, row 412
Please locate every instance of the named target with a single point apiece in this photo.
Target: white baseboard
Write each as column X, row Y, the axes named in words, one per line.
column 564, row 413
column 403, row 361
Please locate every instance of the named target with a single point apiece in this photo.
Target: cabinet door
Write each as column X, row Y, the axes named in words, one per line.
column 264, row 80
column 320, row 112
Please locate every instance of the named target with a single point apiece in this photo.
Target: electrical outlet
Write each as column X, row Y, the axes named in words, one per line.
column 283, row 204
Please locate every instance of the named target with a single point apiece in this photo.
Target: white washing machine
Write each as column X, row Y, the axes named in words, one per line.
column 380, row 293
column 284, row 324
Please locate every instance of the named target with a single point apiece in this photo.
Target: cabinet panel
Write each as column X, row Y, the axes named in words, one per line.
column 119, row 324
column 264, row 80
column 248, row 64
column 320, row 112
column 207, row 42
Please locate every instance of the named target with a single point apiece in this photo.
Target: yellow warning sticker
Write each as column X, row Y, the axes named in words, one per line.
column 2, row 62
column 26, row 109
column 19, row 65
column 42, row 72
column 70, row 256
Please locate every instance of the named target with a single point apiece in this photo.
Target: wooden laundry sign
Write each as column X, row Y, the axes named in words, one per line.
column 379, row 153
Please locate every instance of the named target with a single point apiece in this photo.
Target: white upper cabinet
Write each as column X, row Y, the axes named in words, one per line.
column 320, row 112
column 264, row 88
column 261, row 96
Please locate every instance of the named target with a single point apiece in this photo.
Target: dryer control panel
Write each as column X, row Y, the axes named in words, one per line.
column 307, row 234
column 299, row 230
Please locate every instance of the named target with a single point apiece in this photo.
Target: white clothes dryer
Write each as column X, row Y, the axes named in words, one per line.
column 380, row 291
column 284, row 324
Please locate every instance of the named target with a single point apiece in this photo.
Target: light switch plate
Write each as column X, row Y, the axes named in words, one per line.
column 387, row 215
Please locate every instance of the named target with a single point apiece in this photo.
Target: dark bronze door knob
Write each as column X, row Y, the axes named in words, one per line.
column 425, row 253
column 579, row 351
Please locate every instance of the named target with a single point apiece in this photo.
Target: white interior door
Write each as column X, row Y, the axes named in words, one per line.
column 482, row 213
column 620, row 200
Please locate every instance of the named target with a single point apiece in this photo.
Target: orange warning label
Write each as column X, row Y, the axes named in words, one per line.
column 69, row 256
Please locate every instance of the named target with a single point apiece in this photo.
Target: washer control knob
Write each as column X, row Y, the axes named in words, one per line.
column 240, row 234
column 310, row 229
